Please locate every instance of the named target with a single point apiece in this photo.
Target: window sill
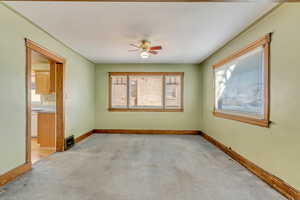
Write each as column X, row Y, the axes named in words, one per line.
column 249, row 120
column 143, row 110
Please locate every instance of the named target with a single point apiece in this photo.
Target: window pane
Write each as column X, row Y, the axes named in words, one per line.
column 146, row 91
column 119, row 91
column 240, row 87
column 173, row 91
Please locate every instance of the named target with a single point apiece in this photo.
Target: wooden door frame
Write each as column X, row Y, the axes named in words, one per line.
column 60, row 119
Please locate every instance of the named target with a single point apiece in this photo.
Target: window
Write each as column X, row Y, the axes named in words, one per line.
column 119, row 91
column 242, row 85
column 146, row 91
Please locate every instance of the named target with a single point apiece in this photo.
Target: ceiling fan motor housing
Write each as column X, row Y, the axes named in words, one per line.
column 145, row 45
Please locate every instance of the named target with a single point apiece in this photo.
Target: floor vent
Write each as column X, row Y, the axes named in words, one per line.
column 69, row 142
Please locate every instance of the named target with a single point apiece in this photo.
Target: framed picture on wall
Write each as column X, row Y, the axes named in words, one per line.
column 241, row 84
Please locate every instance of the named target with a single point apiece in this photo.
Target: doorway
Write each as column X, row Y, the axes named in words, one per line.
column 44, row 102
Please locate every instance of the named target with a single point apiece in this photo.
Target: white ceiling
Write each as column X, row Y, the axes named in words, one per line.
column 102, row 31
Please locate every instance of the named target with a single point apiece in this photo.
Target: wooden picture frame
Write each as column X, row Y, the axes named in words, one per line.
column 128, row 109
column 263, row 42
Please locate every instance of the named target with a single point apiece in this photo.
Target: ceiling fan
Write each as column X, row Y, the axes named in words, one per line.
column 146, row 49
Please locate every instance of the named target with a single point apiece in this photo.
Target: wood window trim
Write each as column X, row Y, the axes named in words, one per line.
column 265, row 43
column 111, row 109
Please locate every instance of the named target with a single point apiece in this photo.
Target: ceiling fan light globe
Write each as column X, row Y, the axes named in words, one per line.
column 144, row 55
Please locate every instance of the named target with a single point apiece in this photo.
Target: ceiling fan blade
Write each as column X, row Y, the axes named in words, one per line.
column 153, row 52
column 134, row 45
column 156, row 48
column 133, row 50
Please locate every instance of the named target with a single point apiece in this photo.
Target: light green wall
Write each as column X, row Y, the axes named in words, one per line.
column 80, row 100
column 190, row 119
column 276, row 149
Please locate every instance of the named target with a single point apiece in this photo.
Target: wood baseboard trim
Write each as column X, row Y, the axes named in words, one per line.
column 139, row 131
column 83, row 136
column 275, row 182
column 14, row 173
